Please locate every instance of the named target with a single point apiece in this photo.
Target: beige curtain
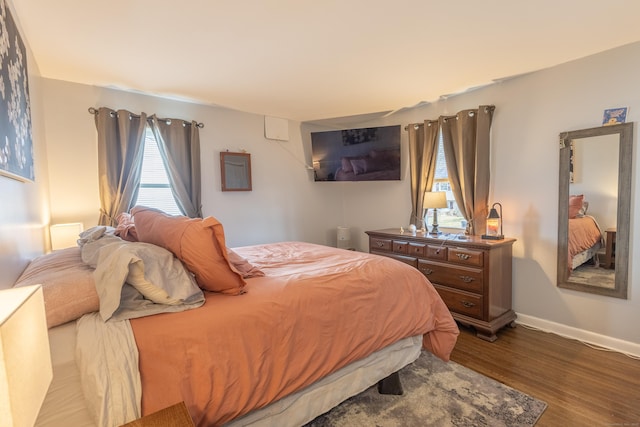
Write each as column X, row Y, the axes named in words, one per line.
column 423, row 150
column 466, row 141
column 179, row 146
column 120, row 152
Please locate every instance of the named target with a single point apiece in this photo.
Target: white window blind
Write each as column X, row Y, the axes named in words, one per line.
column 448, row 217
column 155, row 189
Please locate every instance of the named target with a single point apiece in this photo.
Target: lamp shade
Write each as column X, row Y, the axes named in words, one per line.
column 25, row 359
column 65, row 235
column 435, row 200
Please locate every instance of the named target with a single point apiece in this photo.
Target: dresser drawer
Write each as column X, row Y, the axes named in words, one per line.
column 400, row 247
column 465, row 278
column 437, row 252
column 417, row 249
column 465, row 256
column 461, row 302
column 413, row 262
column 377, row 244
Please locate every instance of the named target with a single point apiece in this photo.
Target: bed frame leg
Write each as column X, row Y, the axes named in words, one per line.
column 391, row 385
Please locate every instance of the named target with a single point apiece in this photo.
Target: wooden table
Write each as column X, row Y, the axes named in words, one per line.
column 610, row 254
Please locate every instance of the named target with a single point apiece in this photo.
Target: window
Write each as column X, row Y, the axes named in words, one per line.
column 155, row 189
column 450, row 217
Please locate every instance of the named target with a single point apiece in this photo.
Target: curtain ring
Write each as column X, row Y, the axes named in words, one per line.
column 416, row 127
column 471, row 114
column 112, row 114
column 168, row 122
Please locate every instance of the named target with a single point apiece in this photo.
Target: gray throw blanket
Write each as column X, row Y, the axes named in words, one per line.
column 135, row 279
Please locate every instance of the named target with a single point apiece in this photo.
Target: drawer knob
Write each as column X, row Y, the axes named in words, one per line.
column 426, row 270
column 466, row 279
column 464, row 256
column 380, row 244
column 467, row 304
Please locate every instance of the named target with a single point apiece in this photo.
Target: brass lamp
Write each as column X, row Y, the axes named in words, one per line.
column 435, row 200
column 494, row 224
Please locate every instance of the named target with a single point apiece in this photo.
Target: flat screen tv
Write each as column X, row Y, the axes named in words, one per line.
column 364, row 154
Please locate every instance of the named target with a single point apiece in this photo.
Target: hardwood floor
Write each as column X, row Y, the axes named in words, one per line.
column 582, row 386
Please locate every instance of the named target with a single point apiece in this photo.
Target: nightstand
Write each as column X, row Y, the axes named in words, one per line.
column 173, row 416
column 610, row 254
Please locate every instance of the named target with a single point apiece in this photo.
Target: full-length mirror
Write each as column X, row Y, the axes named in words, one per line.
column 594, row 209
column 236, row 171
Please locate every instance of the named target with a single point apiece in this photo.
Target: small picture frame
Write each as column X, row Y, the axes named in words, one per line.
column 614, row 116
column 236, row 171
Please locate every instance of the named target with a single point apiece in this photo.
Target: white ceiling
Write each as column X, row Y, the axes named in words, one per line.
column 314, row 59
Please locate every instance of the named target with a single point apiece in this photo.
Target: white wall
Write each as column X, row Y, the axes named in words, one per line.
column 285, row 203
column 25, row 210
column 595, row 174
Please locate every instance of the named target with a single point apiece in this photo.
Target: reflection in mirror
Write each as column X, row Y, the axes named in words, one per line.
column 236, row 171
column 594, row 209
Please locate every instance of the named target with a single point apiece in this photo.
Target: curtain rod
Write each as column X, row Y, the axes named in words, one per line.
column 487, row 109
column 168, row 121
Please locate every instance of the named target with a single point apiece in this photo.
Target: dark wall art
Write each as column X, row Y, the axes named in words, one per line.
column 16, row 145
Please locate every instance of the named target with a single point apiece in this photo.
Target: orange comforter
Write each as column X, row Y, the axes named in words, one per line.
column 583, row 234
column 316, row 310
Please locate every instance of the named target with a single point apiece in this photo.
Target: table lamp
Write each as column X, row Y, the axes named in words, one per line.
column 65, row 235
column 435, row 200
column 25, row 358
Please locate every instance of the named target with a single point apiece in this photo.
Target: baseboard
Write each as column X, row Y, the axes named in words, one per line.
column 626, row 347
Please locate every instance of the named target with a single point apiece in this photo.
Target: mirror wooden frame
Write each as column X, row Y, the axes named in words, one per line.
column 625, row 133
column 229, row 178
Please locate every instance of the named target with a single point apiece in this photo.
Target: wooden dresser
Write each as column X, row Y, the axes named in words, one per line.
column 472, row 276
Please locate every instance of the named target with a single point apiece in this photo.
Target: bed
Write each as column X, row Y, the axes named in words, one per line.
column 376, row 165
column 585, row 234
column 293, row 330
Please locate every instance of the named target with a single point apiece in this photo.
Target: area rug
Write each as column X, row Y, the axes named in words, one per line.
column 437, row 394
column 595, row 276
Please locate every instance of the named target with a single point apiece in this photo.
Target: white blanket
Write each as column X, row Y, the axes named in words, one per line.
column 107, row 359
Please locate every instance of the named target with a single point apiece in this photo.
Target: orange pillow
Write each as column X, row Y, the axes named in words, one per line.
column 575, row 204
column 199, row 243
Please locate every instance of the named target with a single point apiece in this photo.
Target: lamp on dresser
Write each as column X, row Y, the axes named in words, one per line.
column 434, row 200
column 25, row 361
column 494, row 224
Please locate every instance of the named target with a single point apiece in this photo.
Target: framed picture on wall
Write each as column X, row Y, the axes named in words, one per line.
column 16, row 144
column 614, row 116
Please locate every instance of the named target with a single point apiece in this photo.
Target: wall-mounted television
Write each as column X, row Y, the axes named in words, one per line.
column 364, row 154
